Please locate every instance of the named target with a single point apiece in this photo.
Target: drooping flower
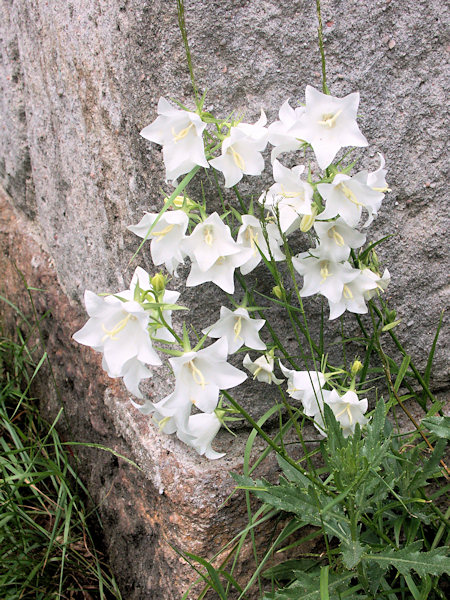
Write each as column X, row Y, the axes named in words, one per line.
column 251, row 236
column 241, row 151
column 166, row 237
column 347, row 196
column 262, row 368
column 290, row 197
column 200, row 432
column 238, row 329
column 180, row 133
column 307, row 387
column 133, row 372
column 329, row 124
column 347, row 409
column 221, row 273
column 281, row 132
column 337, row 238
column 381, row 282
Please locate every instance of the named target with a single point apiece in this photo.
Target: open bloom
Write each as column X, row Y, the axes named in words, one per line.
column 336, row 238
column 238, row 329
column 354, row 294
column 118, row 329
column 322, row 275
column 282, row 133
column 307, row 387
column 290, row 197
column 347, row 409
column 241, row 151
column 180, row 133
column 262, row 368
column 200, row 431
column 251, row 236
column 166, row 236
column 347, row 196
column 329, row 124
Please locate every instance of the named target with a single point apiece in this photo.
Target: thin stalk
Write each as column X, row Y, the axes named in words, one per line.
column 322, row 51
column 183, row 31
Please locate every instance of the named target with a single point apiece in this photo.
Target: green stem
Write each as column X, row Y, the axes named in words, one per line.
column 183, row 31
column 322, row 51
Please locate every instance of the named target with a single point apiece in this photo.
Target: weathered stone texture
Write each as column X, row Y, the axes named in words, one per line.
column 80, row 79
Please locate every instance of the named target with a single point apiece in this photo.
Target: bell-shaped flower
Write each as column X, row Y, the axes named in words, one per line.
column 180, row 133
column 210, row 240
column 353, row 296
column 290, row 197
column 381, row 282
column 323, row 276
column 251, row 235
column 307, row 387
column 376, row 180
column 336, row 238
column 238, row 329
column 119, row 330
column 347, row 196
column 221, row 272
column 329, row 124
column 201, row 374
column 166, row 237
column 241, row 151
column 262, row 368
column 281, row 132
column 347, row 409
column 200, row 432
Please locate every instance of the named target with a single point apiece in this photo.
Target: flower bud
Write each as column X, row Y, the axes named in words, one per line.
column 356, row 366
column 182, row 202
column 158, row 282
column 278, row 292
column 308, row 220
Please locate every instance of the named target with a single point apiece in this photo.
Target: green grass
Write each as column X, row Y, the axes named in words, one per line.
column 47, row 546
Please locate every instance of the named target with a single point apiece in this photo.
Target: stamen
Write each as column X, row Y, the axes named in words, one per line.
column 208, row 235
column 329, row 120
column 332, row 233
column 348, row 193
column 163, row 422
column 324, row 270
column 258, row 370
column 347, row 410
column 382, row 190
column 253, row 238
column 197, row 375
column 181, row 134
column 299, row 194
column 237, row 329
column 117, row 328
column 163, row 232
column 240, row 163
column 347, row 292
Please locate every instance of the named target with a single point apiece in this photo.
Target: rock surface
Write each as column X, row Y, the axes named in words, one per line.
column 80, row 79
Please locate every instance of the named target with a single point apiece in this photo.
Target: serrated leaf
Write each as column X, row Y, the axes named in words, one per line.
column 440, row 426
column 431, row 466
column 307, row 587
column 409, row 559
column 351, row 553
column 291, row 473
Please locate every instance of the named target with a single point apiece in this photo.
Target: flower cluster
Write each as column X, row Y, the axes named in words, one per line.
column 129, row 327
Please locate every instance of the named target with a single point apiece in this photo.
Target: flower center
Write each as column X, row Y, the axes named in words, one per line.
column 237, row 328
column 300, row 194
column 160, row 234
column 182, row 133
column 252, row 237
column 324, row 270
column 332, row 233
column 347, row 292
column 348, row 193
column 239, row 161
column 197, row 375
column 347, row 410
column 329, row 119
column 208, row 235
column 111, row 333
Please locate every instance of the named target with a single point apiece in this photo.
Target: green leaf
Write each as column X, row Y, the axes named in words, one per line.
column 324, row 595
column 410, row 559
column 431, row 466
column 352, row 553
column 391, row 325
column 307, row 587
column 440, row 426
column 402, row 371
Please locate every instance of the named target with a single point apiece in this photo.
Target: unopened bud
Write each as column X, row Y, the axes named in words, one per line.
column 158, row 282
column 308, row 220
column 278, row 292
column 356, row 367
column 181, row 202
